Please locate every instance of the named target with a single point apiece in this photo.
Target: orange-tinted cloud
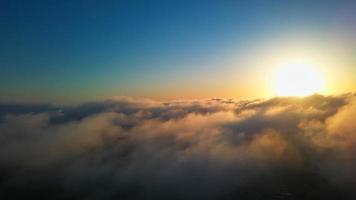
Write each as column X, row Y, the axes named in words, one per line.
column 132, row 149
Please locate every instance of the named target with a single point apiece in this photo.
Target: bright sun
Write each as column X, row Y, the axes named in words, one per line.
column 297, row 79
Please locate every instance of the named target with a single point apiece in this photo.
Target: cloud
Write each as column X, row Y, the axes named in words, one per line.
column 125, row 148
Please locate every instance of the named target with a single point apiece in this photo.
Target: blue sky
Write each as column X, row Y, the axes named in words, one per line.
column 96, row 49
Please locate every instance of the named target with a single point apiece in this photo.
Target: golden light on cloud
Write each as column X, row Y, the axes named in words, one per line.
column 297, row 79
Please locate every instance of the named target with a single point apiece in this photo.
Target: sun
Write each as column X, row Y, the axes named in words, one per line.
column 297, row 79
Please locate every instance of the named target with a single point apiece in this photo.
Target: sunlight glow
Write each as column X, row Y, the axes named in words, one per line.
column 297, row 79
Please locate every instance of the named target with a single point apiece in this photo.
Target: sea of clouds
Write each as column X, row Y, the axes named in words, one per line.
column 126, row 148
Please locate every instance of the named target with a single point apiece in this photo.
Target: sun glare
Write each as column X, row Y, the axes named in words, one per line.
column 297, row 79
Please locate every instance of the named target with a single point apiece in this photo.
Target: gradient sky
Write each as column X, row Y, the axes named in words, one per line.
column 84, row 50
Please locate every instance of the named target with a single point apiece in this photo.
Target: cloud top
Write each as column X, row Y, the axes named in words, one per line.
column 124, row 148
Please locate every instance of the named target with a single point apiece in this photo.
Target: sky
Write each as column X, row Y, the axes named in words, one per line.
column 87, row 50
column 211, row 100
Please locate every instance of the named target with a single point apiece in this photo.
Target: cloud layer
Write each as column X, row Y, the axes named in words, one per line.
column 281, row 148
